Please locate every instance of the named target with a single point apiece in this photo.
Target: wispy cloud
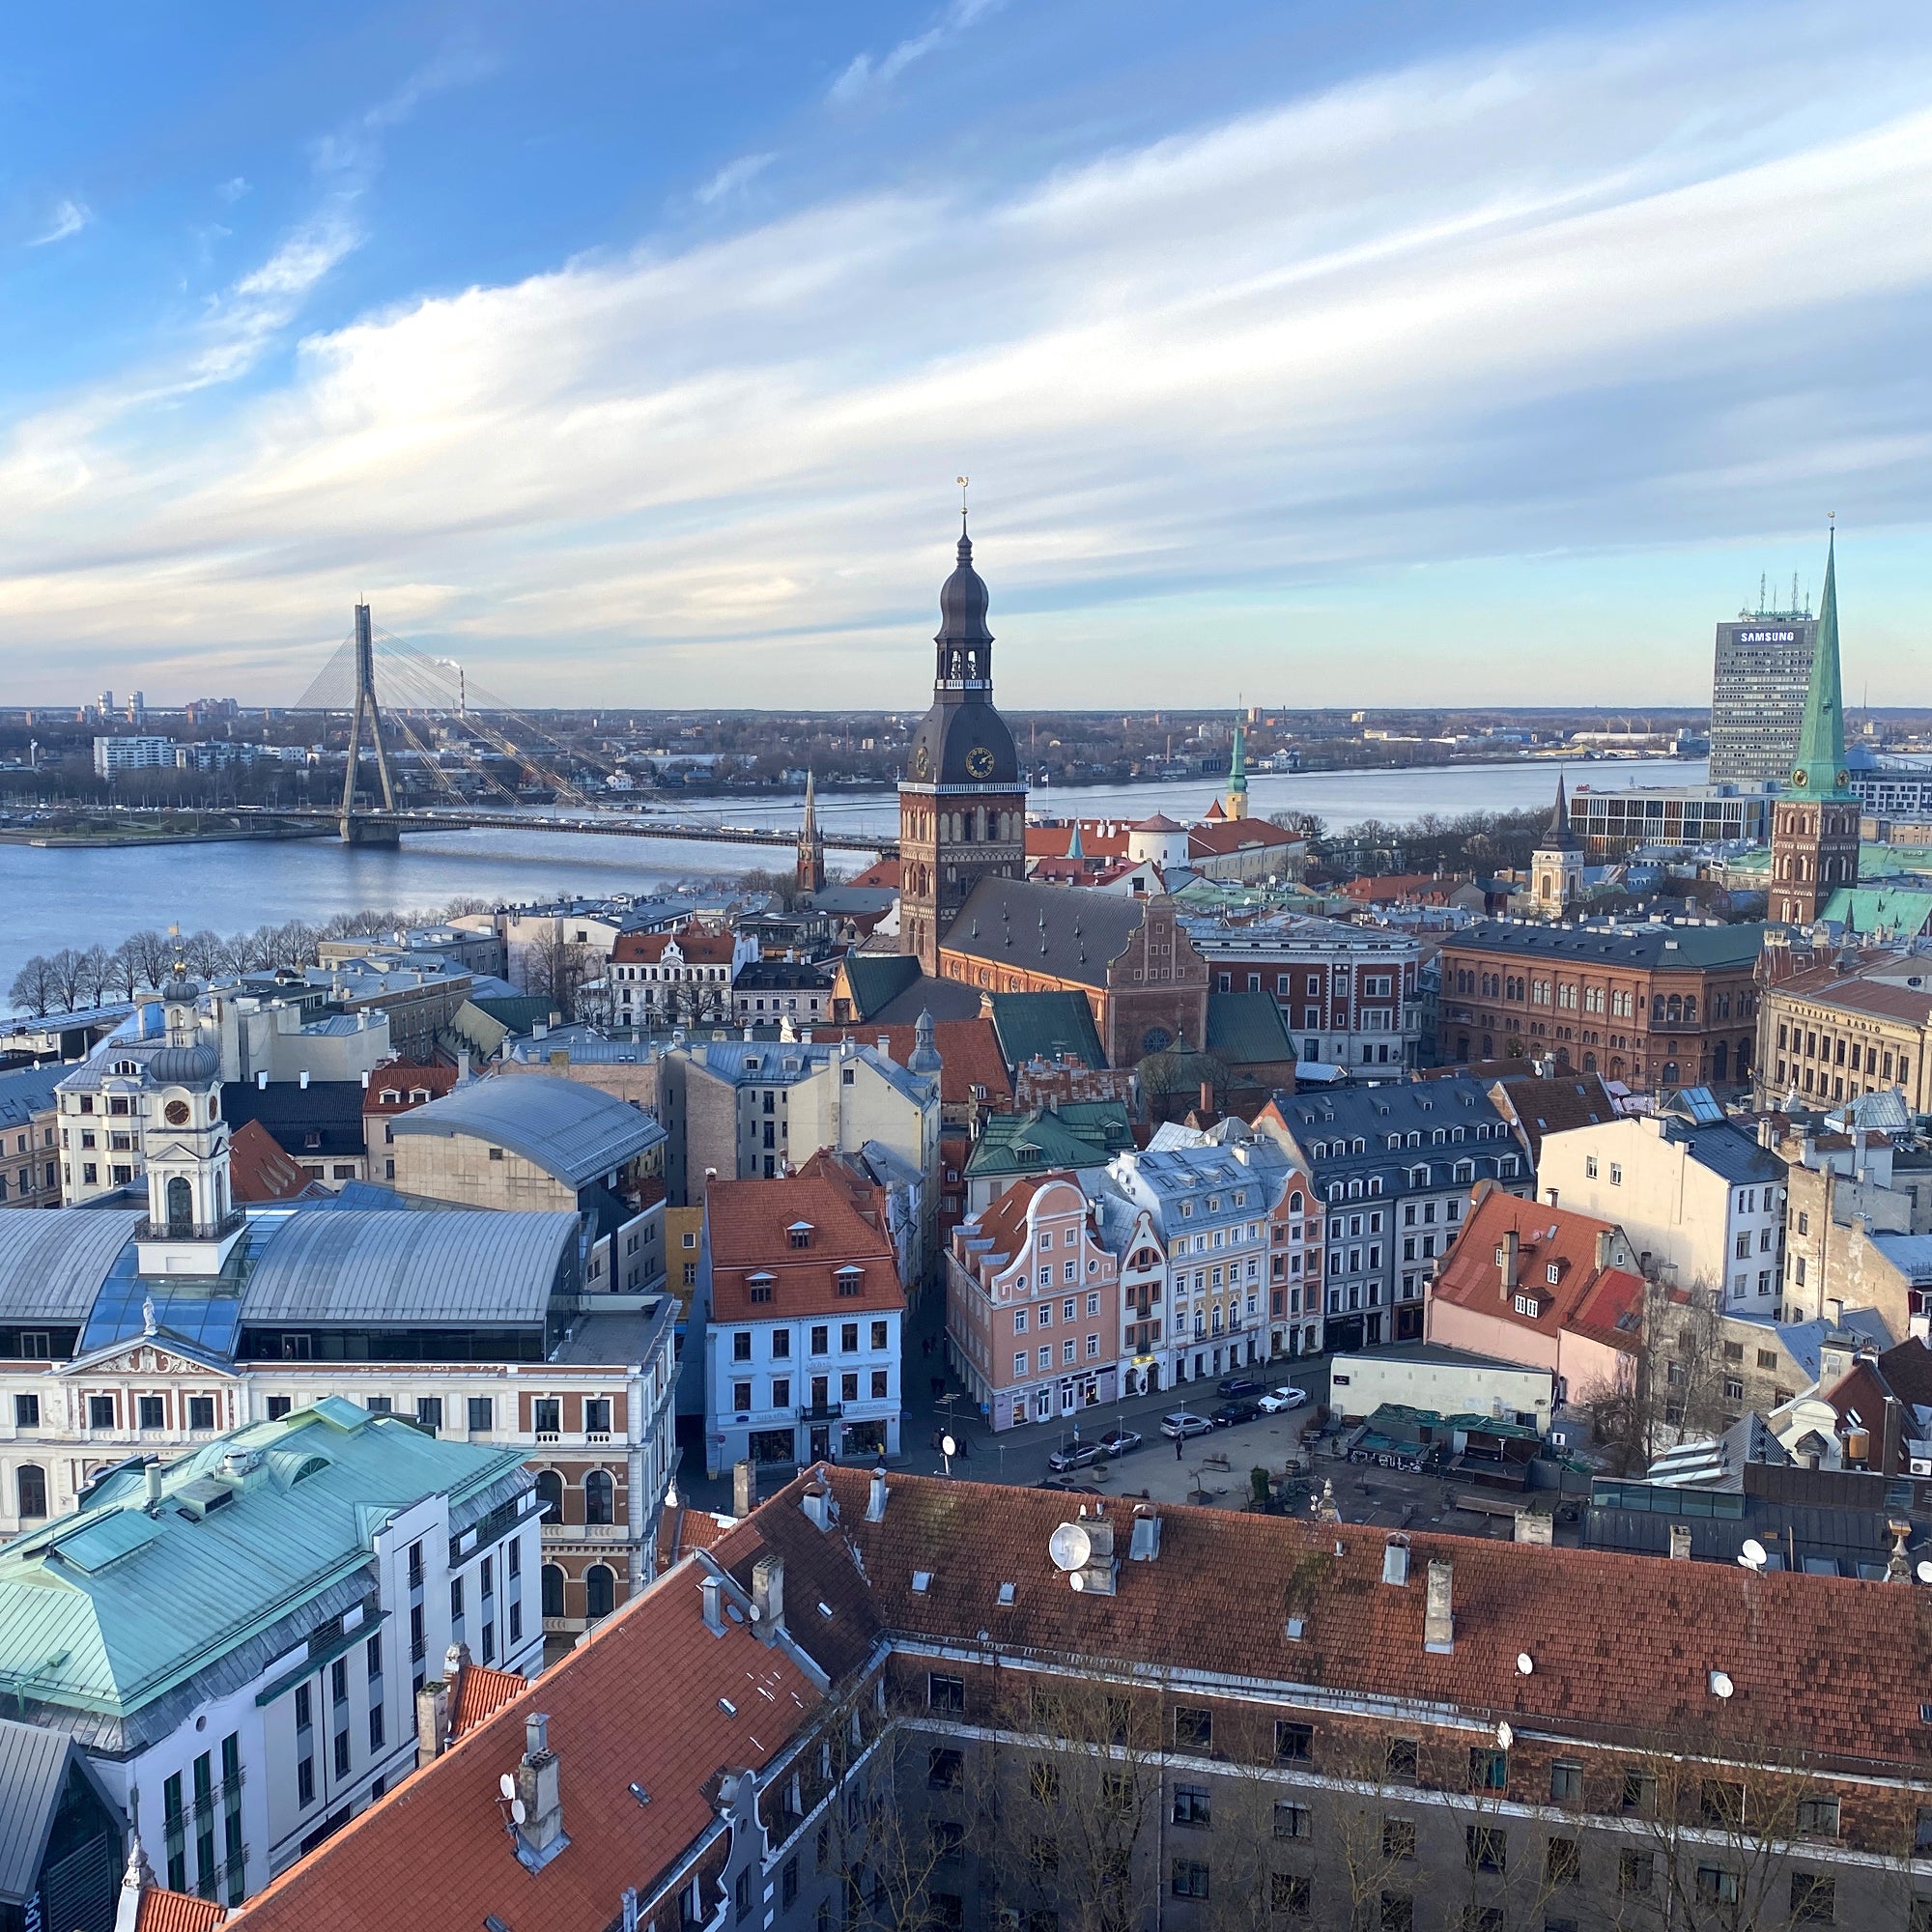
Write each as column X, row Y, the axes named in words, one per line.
column 1538, row 303
column 733, row 177
column 233, row 189
column 69, row 218
column 865, row 72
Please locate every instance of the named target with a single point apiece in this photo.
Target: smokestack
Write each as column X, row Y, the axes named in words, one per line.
column 875, row 1502
column 1506, row 1262
column 1438, row 1618
column 768, row 1596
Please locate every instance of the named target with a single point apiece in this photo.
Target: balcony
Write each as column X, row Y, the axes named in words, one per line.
column 586, row 1532
column 190, row 1231
column 821, row 1411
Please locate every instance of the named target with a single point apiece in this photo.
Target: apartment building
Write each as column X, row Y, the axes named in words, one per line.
column 30, row 1136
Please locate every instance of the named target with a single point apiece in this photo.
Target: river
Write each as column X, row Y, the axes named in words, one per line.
column 80, row 897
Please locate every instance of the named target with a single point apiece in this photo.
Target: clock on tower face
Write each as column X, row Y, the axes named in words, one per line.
column 979, row 762
column 176, row 1112
column 921, row 765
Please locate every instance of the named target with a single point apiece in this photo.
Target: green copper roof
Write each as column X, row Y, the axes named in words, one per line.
column 1079, row 1133
column 1238, row 765
column 114, row 1606
column 1818, row 767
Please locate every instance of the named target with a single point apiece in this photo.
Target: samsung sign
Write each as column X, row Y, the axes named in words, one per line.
column 1765, row 637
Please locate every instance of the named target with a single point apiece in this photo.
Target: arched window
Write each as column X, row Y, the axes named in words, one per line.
column 1720, row 1059
column 550, row 1492
column 181, row 1203
column 553, row 1590
column 30, row 1489
column 1294, row 1202
column 600, row 1590
column 598, row 1493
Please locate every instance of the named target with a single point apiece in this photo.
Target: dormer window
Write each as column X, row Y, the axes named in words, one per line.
column 849, row 1279
column 390, row 1097
column 1528, row 1304
column 1553, row 1273
column 799, row 1233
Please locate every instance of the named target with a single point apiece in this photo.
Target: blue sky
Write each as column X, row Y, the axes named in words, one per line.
column 1393, row 354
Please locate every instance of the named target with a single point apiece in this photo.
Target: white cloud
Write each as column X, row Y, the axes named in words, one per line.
column 233, row 189
column 864, row 73
column 1536, row 304
column 69, row 218
column 733, row 177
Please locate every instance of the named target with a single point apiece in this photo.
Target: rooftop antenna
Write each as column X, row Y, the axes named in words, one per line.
column 1760, row 594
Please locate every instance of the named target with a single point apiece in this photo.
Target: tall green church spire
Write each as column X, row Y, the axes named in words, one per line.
column 1238, row 765
column 1818, row 768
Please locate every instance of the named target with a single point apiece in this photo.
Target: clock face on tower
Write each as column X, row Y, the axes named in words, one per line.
column 176, row 1112
column 979, row 762
column 921, row 765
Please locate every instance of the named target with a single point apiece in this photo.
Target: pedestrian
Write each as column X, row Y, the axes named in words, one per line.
column 1177, row 1448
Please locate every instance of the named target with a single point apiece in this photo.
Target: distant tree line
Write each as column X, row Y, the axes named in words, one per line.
column 76, row 977
column 1477, row 842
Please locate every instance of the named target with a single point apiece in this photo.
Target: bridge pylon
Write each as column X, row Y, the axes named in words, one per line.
column 365, row 827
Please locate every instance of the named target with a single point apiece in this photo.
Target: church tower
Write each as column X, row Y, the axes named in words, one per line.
column 1238, row 773
column 1814, row 826
column 810, row 846
column 963, row 802
column 1556, row 865
column 192, row 1221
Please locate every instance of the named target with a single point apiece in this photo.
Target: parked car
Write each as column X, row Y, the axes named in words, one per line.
column 1283, row 1398
column 1078, row 1457
column 1237, row 1385
column 1068, row 1484
column 1122, row 1441
column 1228, row 1413
column 1183, row 1423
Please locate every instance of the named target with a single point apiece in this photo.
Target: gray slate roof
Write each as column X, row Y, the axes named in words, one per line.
column 1066, row 932
column 33, row 1770
column 1694, row 949
column 1728, row 1152
column 435, row 1270
column 26, row 1092
column 575, row 1132
column 53, row 1260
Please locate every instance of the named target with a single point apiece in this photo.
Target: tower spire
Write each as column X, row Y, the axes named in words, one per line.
column 1818, row 766
column 810, row 846
column 1237, row 772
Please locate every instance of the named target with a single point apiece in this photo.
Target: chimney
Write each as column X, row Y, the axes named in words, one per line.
column 1506, row 1264
column 1439, row 1619
column 1679, row 1543
column 365, row 1080
column 768, row 1594
column 1395, row 1561
column 261, row 1078
column 1535, row 1525
column 541, row 1834
column 463, row 1066
column 154, row 1475
column 433, row 1706
column 744, row 1488
column 713, row 1592
column 1891, row 1438
column 817, row 1503
column 305, row 1079
column 875, row 1500
column 1605, row 1241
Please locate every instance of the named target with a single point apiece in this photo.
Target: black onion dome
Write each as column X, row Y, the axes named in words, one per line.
column 183, row 1066
column 962, row 602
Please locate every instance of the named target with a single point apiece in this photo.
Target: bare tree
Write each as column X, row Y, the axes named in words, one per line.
column 36, row 987
column 95, row 974
column 204, row 953
column 152, row 954
column 123, row 971
column 1673, row 1389
column 68, row 969
column 556, row 968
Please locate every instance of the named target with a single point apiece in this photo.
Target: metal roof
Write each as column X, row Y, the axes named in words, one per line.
column 1692, row 948
column 53, row 1260
column 94, row 1621
column 26, row 1092
column 575, row 1133
column 33, row 1770
column 430, row 1269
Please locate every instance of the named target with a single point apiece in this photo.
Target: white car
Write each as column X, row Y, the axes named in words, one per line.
column 1286, row 1397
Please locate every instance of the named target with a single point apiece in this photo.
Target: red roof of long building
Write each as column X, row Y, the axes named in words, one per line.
column 752, row 1227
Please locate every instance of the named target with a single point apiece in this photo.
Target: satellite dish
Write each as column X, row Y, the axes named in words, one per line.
column 1924, row 1571
column 1077, row 1581
column 1721, row 1683
column 948, row 1446
column 1505, row 1734
column 507, row 1785
column 1753, row 1556
column 1069, row 1546
column 1525, row 1663
column 517, row 1812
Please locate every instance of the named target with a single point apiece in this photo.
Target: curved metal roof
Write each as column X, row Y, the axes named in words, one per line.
column 575, row 1132
column 53, row 1262
column 441, row 1268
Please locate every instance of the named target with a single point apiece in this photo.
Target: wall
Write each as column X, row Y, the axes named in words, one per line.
column 1450, row 1389
column 458, row 1168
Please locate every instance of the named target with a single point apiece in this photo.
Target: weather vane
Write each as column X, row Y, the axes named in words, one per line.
column 962, row 482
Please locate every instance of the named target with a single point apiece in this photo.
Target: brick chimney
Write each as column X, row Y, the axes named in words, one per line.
column 1507, row 1264
column 1607, row 1240
column 1438, row 1618
column 435, row 1704
column 768, row 1594
column 541, row 1835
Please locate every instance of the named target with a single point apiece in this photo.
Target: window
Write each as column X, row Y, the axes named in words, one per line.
column 1294, row 1742
column 1193, row 1727
column 305, row 1781
column 1289, row 1894
column 1637, row 1873
column 1562, row 1863
column 546, row 1412
column 100, row 1412
column 1402, row 1760
column 1566, row 1781
column 944, row 1768
column 1717, row 1884
column 1818, row 1817
column 1397, row 1838
column 1815, row 1898
column 29, row 1490
column 599, row 1496
column 1191, row 1805
column 1489, row 1768
column 945, row 1695
column 201, row 1412
column 1190, row 1879
column 1292, row 1821
column 429, row 1411
column 1486, row 1848
column 150, row 1412
column 1722, row 1801
column 600, row 1590
column 1043, row 1781
column 482, row 1414
column 26, row 1411
column 1398, row 1913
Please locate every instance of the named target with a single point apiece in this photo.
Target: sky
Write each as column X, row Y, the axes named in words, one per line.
column 1383, row 354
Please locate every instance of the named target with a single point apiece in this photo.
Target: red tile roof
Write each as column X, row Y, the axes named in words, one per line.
column 1235, row 834
column 639, row 1703
column 699, row 946
column 164, row 1911
column 480, row 1694
column 751, row 1224
column 881, row 873
column 969, row 1056
column 683, row 1529
column 1100, row 839
column 1602, row 1303
column 259, row 1169
column 413, row 1087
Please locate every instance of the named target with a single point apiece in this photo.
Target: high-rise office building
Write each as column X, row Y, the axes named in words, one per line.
column 1757, row 695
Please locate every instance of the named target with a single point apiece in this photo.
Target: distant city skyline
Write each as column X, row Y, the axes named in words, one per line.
column 1364, row 359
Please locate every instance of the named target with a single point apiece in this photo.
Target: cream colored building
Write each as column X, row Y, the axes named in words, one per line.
column 1703, row 1199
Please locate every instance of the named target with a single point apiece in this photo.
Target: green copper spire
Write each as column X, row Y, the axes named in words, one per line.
column 1238, row 765
column 1818, row 768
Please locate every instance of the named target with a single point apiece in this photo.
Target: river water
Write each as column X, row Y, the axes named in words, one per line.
column 75, row 896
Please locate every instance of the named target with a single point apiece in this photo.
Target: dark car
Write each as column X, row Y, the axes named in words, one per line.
column 1237, row 1385
column 1066, row 1484
column 1078, row 1457
column 1228, row 1413
column 1122, row 1441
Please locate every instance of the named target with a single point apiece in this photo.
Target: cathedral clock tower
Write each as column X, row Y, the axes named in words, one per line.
column 963, row 802
column 1814, row 826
